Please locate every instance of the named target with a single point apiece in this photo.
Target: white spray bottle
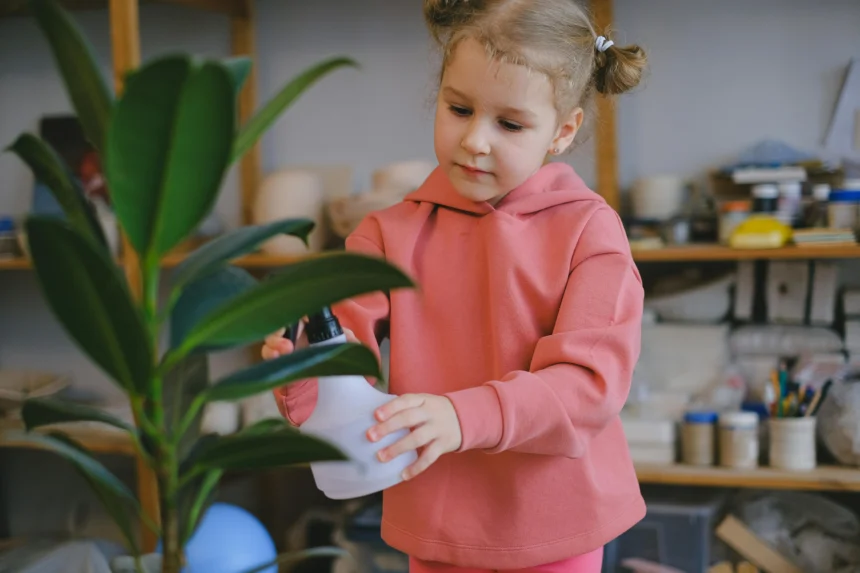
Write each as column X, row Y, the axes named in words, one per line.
column 342, row 416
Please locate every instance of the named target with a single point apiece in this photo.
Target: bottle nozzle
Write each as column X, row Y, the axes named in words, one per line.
column 323, row 326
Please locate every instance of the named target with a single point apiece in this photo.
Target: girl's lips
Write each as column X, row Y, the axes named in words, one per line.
column 472, row 170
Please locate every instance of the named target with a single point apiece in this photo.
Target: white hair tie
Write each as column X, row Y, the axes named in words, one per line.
column 603, row 44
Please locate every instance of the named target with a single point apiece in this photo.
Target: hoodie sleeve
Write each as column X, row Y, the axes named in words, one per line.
column 580, row 374
column 366, row 316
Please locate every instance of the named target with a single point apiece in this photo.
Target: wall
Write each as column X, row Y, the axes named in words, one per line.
column 723, row 75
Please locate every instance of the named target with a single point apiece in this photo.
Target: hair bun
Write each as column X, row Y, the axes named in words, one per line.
column 619, row 69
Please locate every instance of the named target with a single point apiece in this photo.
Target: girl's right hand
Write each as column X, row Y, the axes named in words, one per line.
column 276, row 345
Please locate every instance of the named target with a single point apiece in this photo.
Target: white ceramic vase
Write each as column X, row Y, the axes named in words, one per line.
column 292, row 193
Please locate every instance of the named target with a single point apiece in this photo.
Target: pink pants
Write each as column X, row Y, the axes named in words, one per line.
column 587, row 563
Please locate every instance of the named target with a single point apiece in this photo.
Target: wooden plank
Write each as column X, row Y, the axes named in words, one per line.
column 693, row 253
column 606, row 152
column 822, row 478
column 243, row 44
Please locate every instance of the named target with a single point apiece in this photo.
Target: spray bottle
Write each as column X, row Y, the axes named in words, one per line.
column 342, row 416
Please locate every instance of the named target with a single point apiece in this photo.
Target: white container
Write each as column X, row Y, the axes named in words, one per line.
column 342, row 416
column 739, row 440
column 660, row 197
column 792, row 443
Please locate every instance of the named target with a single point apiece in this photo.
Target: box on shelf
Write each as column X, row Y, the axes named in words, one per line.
column 677, row 531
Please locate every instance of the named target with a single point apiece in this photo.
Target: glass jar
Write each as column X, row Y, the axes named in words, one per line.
column 739, row 446
column 732, row 214
column 698, row 438
column 842, row 209
column 765, row 198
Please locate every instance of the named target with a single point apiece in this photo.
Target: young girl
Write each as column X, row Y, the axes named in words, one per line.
column 513, row 360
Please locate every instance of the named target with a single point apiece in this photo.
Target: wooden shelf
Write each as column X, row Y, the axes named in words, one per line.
column 720, row 253
column 255, row 261
column 230, row 7
column 823, row 478
column 102, row 441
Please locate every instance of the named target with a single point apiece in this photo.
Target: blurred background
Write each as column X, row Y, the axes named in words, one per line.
column 747, row 116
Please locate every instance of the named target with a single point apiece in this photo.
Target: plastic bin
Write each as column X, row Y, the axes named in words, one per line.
column 361, row 536
column 677, row 531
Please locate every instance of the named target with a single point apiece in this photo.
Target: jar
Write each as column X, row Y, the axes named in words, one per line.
column 697, row 438
column 790, row 197
column 733, row 213
column 765, row 198
column 842, row 209
column 816, row 215
column 8, row 238
column 792, row 443
column 739, row 440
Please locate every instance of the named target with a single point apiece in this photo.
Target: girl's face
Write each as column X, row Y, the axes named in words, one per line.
column 495, row 123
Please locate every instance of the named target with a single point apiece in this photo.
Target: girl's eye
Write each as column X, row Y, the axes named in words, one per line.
column 460, row 111
column 510, row 126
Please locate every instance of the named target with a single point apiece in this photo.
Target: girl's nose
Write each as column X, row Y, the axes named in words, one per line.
column 475, row 141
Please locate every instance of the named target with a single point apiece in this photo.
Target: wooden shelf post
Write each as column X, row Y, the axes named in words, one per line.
column 606, row 152
column 243, row 33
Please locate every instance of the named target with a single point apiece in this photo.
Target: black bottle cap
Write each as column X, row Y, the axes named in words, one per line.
column 323, row 326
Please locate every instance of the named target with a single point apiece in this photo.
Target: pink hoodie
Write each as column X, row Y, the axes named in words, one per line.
column 528, row 317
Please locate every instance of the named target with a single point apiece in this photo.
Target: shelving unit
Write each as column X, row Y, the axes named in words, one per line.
column 125, row 51
column 699, row 253
column 823, row 478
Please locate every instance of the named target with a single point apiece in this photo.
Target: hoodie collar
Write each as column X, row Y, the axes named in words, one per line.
column 553, row 184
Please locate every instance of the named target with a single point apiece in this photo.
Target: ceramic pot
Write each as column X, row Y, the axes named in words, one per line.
column 292, row 193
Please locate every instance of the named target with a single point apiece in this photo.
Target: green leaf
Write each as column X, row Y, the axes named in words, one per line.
column 220, row 251
column 194, row 500
column 204, row 295
column 182, row 383
column 329, row 360
column 76, row 62
column 239, row 68
column 168, row 148
column 88, row 294
column 266, row 450
column 117, row 500
column 265, row 426
column 301, row 289
column 49, row 168
column 257, row 125
column 38, row 412
column 298, row 556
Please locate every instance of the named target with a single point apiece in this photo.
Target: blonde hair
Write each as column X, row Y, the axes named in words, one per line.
column 553, row 37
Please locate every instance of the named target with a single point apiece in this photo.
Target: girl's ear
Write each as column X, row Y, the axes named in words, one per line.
column 566, row 131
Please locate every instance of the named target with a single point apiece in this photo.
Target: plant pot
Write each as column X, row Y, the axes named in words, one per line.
column 125, row 564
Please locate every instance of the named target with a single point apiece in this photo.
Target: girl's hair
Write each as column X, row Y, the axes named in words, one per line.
column 554, row 37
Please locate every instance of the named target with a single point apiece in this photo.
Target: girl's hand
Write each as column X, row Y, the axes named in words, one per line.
column 434, row 424
column 276, row 345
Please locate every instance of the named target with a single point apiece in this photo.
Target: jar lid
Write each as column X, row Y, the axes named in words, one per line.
column 792, row 189
column 765, row 191
column 739, row 419
column 700, row 417
column 844, row 196
column 735, row 206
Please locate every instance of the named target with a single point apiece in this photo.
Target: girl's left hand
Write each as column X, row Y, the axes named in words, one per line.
column 435, row 428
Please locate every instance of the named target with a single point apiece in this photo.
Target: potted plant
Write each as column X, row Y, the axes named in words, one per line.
column 166, row 144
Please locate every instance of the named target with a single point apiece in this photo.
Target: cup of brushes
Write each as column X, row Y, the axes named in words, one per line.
column 343, row 413
column 792, row 421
